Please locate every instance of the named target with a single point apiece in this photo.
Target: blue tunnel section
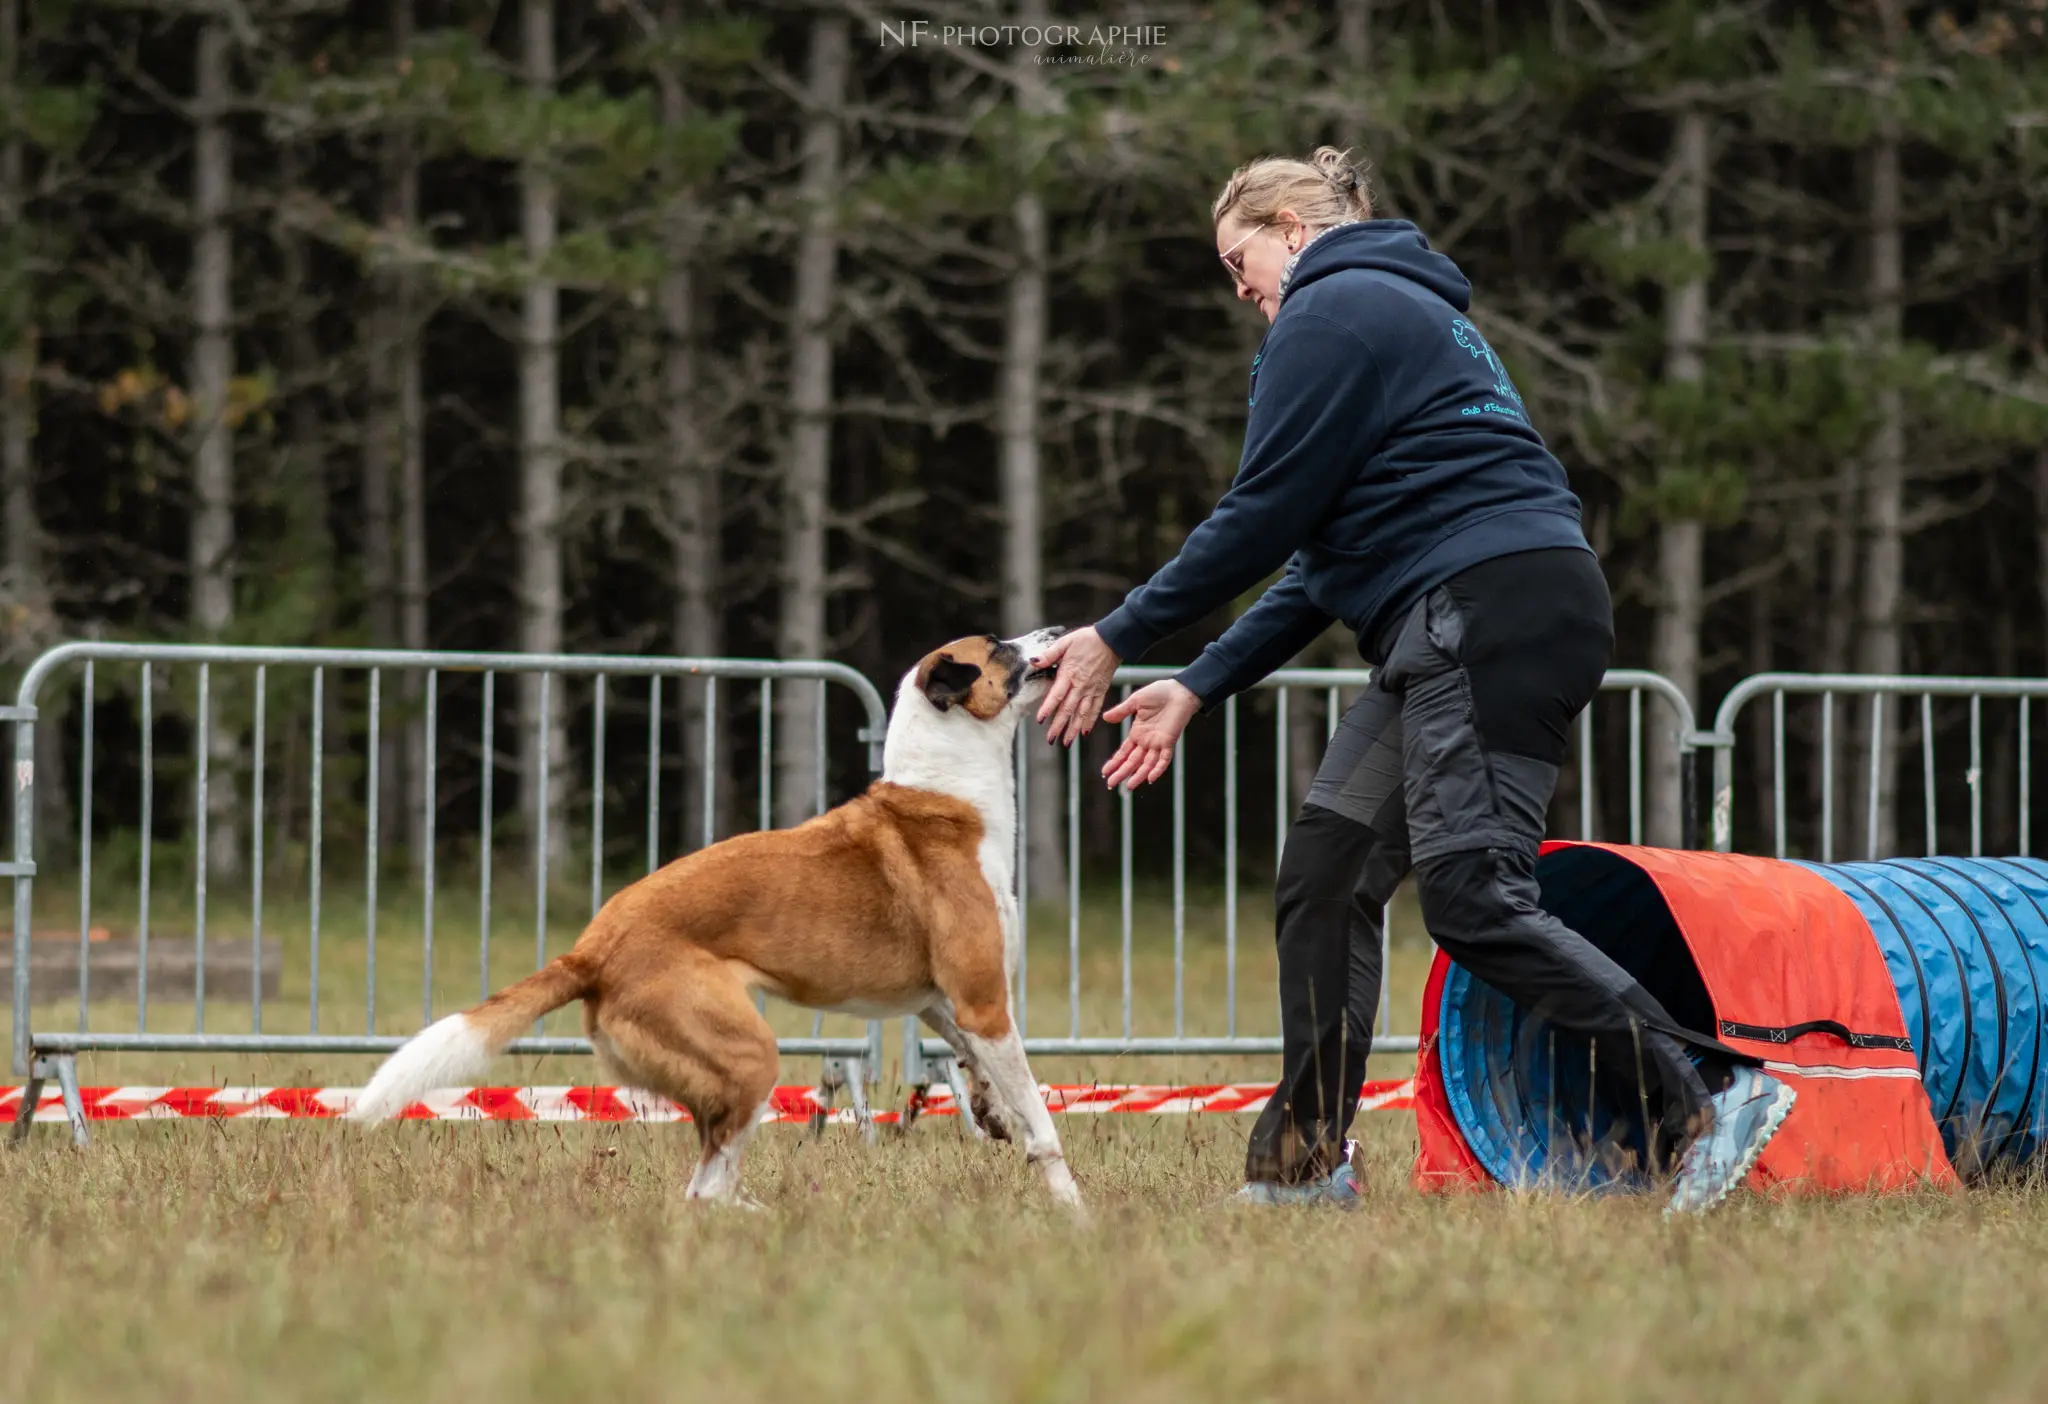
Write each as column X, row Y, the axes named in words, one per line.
column 1531, row 1098
column 1965, row 942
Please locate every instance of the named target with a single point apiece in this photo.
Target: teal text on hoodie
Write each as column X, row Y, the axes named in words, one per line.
column 1386, row 451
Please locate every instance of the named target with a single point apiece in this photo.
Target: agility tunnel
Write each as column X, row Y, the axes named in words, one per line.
column 1901, row 999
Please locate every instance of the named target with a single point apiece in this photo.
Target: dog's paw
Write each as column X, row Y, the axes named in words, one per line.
column 985, row 1117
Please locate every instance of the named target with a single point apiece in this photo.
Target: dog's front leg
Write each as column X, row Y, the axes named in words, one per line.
column 1016, row 1095
column 938, row 1016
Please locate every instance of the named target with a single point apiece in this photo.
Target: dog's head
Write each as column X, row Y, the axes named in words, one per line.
column 984, row 676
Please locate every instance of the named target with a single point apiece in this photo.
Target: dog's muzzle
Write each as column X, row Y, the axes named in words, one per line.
column 1050, row 632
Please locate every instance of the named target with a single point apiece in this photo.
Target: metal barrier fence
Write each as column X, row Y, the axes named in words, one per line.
column 257, row 676
column 41, row 1053
column 1287, row 686
column 1874, row 781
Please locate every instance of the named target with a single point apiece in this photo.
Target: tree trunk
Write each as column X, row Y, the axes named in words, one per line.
column 2001, row 790
column 543, row 735
column 213, row 468
column 695, row 511
column 1354, row 37
column 2041, row 537
column 1681, row 541
column 304, row 463
column 1837, row 638
column 2040, row 585
column 300, row 473
column 694, row 504
column 412, row 555
column 1762, row 752
column 806, row 475
column 380, row 437
column 1017, row 416
column 402, row 207
column 24, row 532
column 27, row 584
column 1882, row 585
column 24, row 574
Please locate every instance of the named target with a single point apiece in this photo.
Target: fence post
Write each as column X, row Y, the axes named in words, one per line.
column 23, row 869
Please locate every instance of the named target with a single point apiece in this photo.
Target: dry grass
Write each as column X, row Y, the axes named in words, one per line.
column 286, row 1260
column 293, row 1260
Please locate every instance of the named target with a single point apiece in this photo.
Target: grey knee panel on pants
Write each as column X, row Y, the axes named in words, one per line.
column 1460, row 796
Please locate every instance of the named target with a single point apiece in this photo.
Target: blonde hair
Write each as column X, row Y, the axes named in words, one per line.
column 1325, row 189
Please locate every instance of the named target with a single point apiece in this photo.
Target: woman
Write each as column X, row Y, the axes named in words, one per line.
column 1391, row 468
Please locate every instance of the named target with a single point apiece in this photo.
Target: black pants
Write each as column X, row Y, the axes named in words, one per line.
column 1446, row 766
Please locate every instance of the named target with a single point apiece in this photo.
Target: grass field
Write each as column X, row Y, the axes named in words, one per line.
column 291, row 1260
column 302, row 1260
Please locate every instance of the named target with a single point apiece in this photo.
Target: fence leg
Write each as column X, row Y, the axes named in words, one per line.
column 25, row 1114
column 74, row 1106
column 831, row 1077
column 913, row 1107
column 857, row 1094
column 956, row 1078
column 852, row 1074
column 915, row 1072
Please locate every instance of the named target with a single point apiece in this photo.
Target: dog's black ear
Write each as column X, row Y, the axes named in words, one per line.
column 949, row 681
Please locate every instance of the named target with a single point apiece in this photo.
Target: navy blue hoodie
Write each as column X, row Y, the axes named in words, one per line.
column 1386, row 451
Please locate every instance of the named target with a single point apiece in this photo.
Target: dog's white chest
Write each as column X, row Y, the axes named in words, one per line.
column 998, row 866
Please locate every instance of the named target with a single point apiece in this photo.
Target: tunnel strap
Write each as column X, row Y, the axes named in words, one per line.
column 1760, row 1033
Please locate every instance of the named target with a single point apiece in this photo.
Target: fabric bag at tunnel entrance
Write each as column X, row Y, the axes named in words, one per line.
column 1902, row 1000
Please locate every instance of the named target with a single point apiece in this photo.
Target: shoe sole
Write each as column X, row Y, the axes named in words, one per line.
column 1342, row 1206
column 1774, row 1118
column 1318, row 1201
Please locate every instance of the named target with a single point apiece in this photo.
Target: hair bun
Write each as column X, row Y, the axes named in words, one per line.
column 1326, row 189
column 1336, row 166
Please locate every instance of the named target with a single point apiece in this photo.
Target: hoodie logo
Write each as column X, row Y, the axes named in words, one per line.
column 1510, row 401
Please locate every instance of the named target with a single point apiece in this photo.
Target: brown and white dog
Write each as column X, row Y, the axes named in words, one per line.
column 897, row 902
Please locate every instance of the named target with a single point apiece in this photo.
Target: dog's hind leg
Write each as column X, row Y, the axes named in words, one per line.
column 694, row 1036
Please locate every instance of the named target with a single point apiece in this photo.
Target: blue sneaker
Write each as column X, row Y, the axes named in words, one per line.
column 1338, row 1188
column 1746, row 1116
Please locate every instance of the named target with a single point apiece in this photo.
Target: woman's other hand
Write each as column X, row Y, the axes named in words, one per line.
column 1162, row 712
column 1074, row 702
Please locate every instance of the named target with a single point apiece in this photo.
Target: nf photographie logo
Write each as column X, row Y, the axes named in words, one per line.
column 1125, row 43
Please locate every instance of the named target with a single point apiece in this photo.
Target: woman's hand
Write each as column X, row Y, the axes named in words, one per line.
column 1163, row 711
column 1074, row 701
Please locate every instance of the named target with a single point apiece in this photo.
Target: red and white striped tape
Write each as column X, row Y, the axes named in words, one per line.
column 625, row 1104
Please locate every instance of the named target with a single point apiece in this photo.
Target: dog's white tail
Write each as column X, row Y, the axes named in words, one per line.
column 458, row 1049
